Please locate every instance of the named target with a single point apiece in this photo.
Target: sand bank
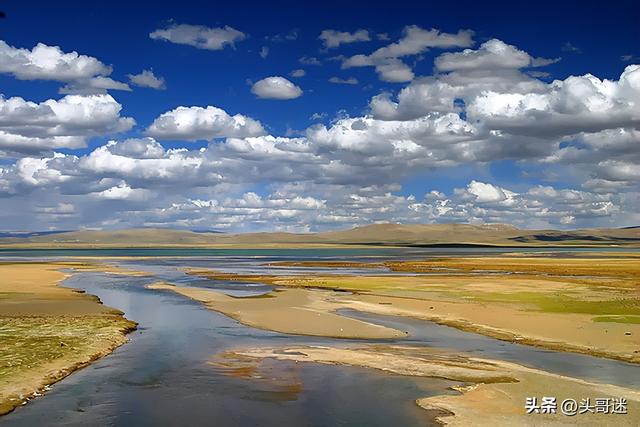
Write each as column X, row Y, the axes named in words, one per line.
column 493, row 392
column 591, row 315
column 290, row 311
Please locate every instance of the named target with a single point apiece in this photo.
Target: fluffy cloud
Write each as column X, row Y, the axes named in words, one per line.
column 122, row 192
column 313, row 206
column 566, row 107
column 333, row 177
column 494, row 54
column 276, row 87
column 415, row 41
column 29, row 127
column 539, row 206
column 49, row 63
column 168, row 167
column 147, row 79
column 82, row 73
column 197, row 123
column 332, row 38
column 519, row 105
column 487, row 193
column 138, row 148
column 298, row 73
column 199, row 36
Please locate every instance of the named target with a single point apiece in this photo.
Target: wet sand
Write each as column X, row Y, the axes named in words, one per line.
column 48, row 331
column 291, row 311
column 494, row 392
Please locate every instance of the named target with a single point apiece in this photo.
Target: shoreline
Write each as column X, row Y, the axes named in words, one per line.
column 68, row 328
column 40, row 388
column 492, row 391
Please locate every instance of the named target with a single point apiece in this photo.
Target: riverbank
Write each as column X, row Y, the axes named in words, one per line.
column 48, row 331
column 492, row 392
column 589, row 306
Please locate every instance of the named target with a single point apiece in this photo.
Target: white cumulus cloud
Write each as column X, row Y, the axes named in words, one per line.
column 29, row 127
column 198, row 123
column 493, row 54
column 146, row 78
column 276, row 87
column 82, row 73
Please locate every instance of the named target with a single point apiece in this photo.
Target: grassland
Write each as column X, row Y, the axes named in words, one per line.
column 48, row 331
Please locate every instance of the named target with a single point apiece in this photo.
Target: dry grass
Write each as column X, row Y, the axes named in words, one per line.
column 48, row 331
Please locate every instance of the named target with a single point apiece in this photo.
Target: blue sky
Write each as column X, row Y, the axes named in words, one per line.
column 488, row 172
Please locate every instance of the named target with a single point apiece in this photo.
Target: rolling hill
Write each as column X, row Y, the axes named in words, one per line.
column 375, row 234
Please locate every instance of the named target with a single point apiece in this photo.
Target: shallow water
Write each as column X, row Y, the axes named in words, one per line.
column 162, row 376
column 594, row 369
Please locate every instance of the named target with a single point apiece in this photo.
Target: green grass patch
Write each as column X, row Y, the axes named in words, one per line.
column 29, row 342
column 618, row 319
column 562, row 303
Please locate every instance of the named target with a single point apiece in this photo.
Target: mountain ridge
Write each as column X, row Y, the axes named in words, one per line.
column 387, row 234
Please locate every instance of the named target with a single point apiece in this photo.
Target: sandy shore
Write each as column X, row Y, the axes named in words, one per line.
column 493, row 392
column 48, row 331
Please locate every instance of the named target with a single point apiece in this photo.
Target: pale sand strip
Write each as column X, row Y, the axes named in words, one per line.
column 558, row 331
column 496, row 397
column 290, row 311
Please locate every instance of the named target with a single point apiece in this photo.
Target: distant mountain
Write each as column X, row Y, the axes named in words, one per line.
column 375, row 234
